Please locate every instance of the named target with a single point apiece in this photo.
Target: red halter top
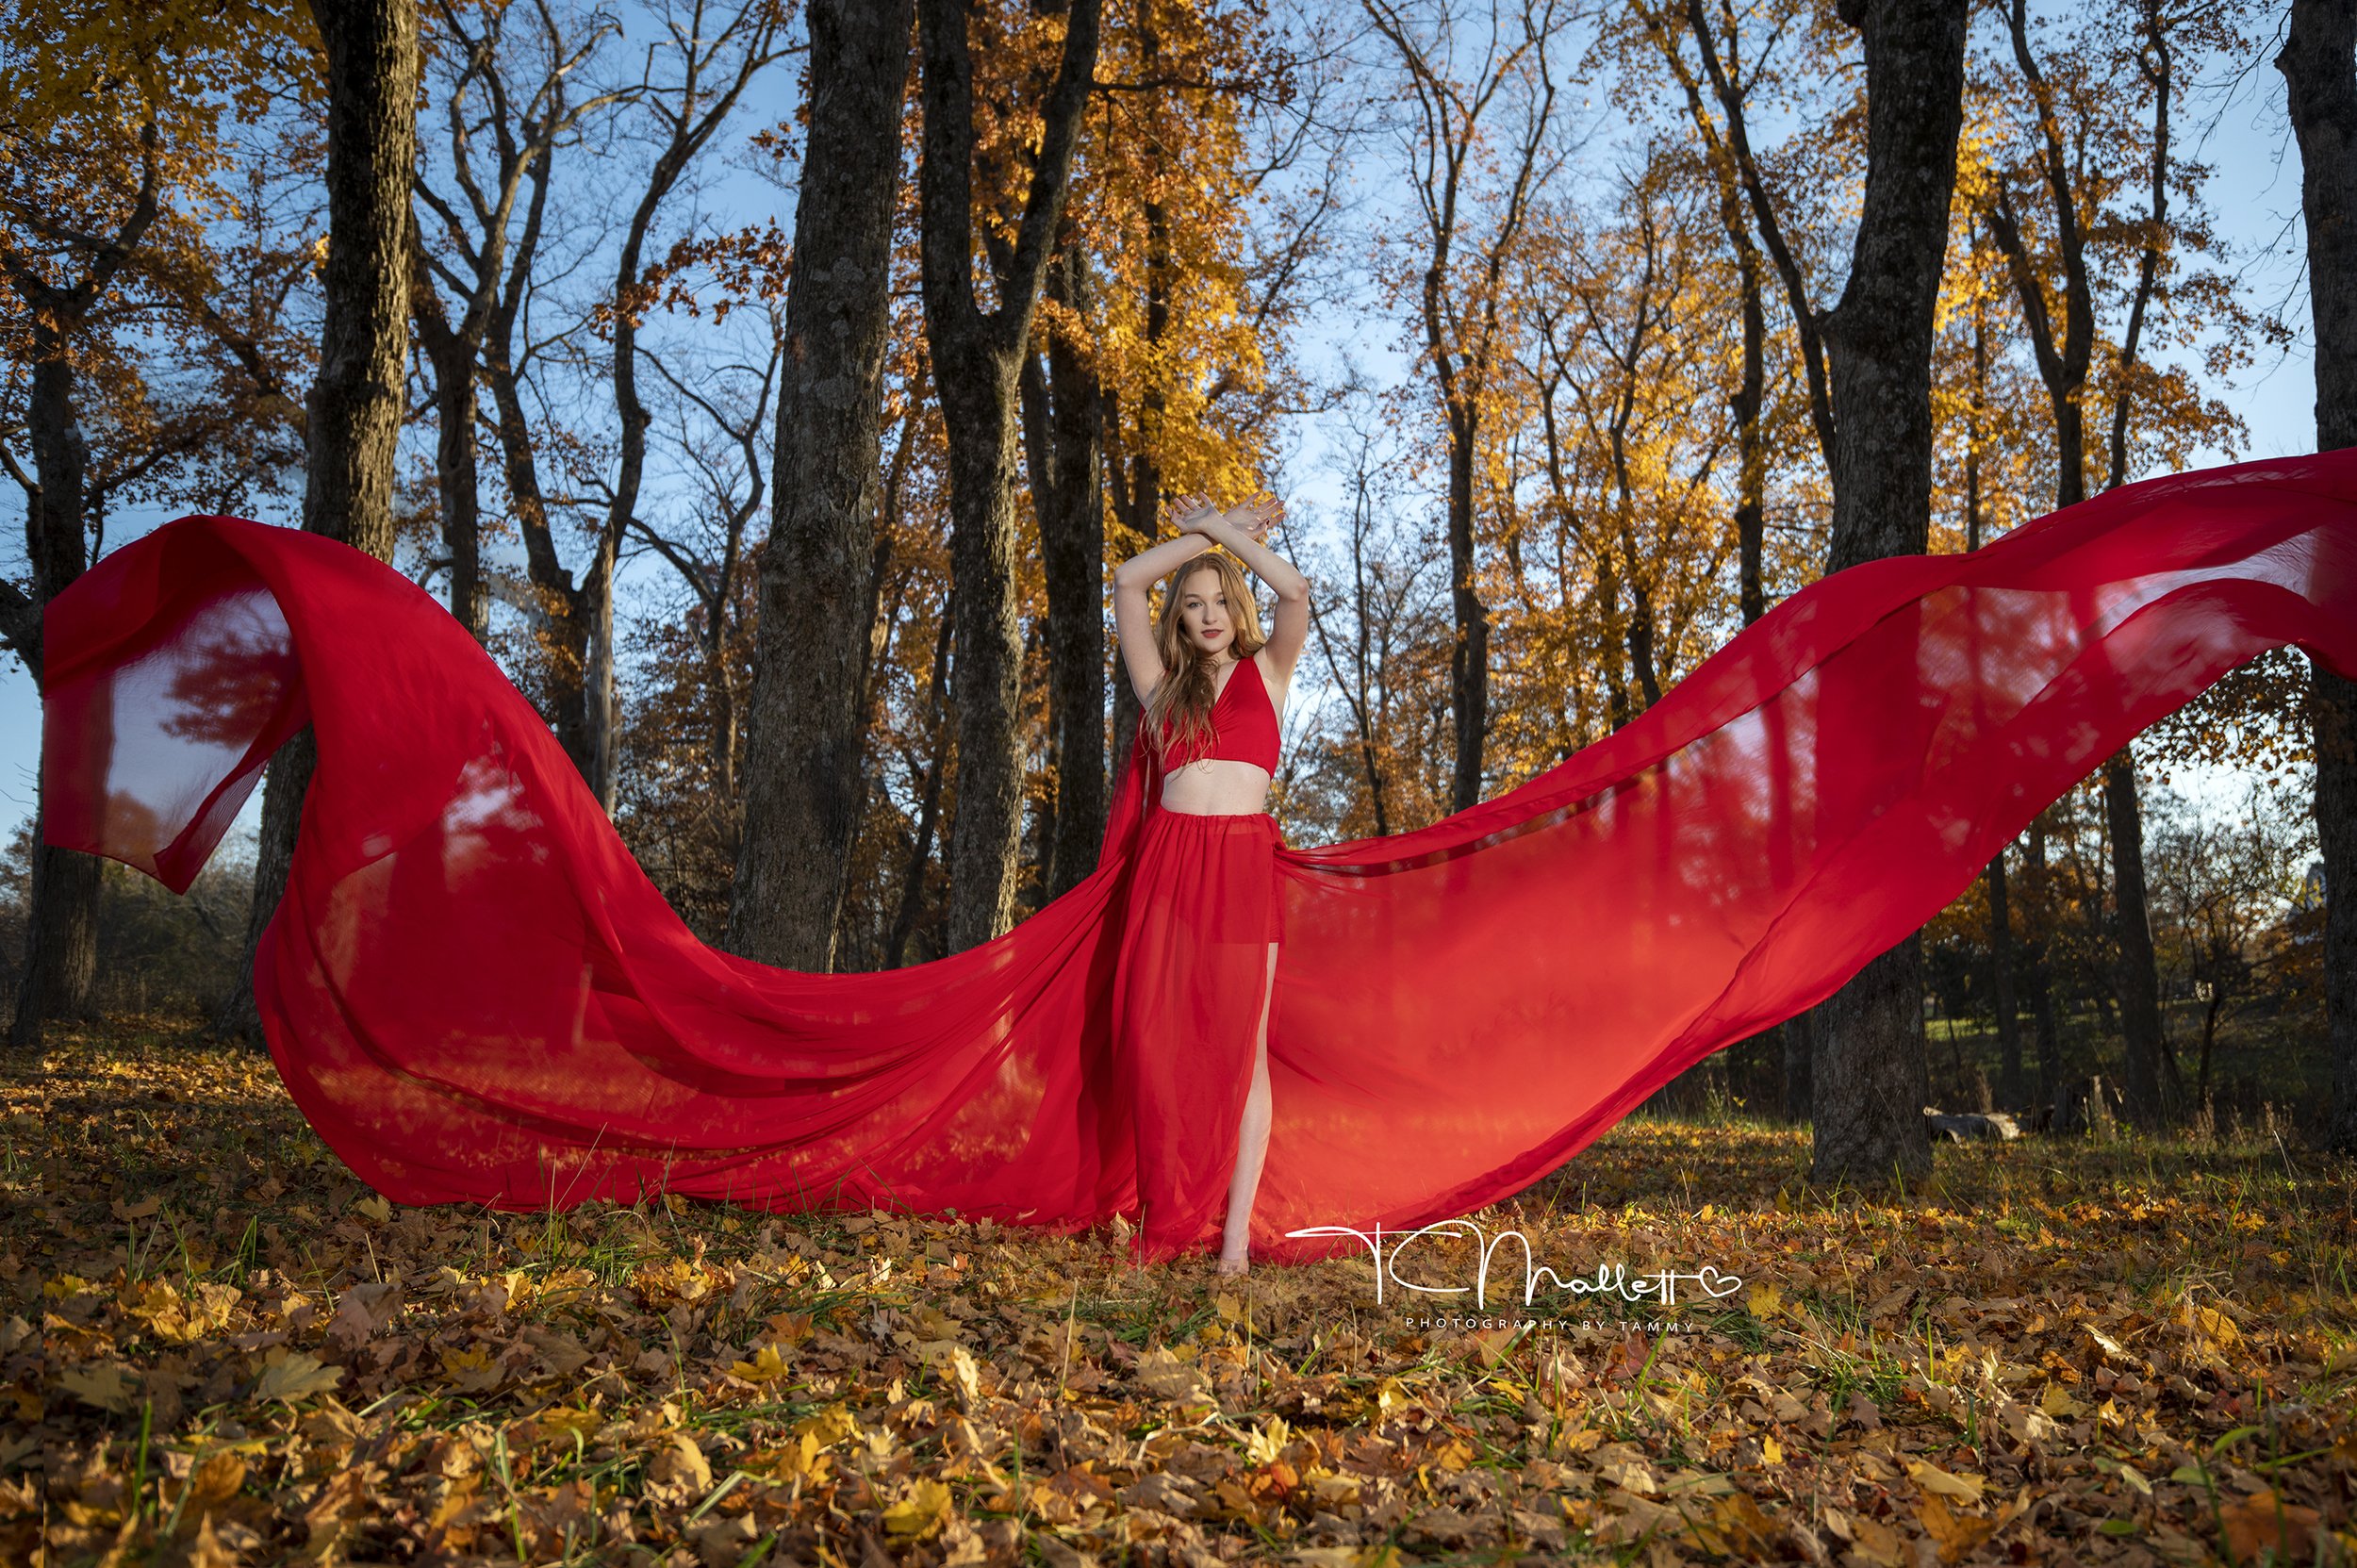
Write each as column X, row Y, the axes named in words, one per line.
column 1245, row 730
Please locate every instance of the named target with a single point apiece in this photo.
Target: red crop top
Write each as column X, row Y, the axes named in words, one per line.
column 1244, row 730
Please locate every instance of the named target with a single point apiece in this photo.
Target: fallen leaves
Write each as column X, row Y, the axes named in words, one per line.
column 321, row 1375
column 293, row 1375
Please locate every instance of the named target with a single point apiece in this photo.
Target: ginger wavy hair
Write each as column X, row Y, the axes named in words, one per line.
column 1185, row 694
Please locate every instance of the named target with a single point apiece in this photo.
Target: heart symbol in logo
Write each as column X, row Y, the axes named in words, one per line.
column 1734, row 1282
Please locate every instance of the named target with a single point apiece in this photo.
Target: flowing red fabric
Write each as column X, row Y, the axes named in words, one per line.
column 475, row 995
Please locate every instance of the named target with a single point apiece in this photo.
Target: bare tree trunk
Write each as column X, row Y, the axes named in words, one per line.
column 2038, row 951
column 2149, row 1102
column 804, row 721
column 1869, row 1079
column 62, row 946
column 354, row 408
column 928, row 806
column 1063, row 439
column 976, row 356
column 2320, row 67
column 453, row 352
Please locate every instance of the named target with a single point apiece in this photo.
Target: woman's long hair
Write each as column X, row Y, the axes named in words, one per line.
column 1188, row 688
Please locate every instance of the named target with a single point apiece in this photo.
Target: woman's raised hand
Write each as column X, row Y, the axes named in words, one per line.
column 1257, row 515
column 1191, row 513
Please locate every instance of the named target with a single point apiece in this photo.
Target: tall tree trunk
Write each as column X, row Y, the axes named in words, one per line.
column 2010, row 1085
column 929, row 804
column 804, row 790
column 62, row 946
column 2149, row 1102
column 1869, row 1079
column 2041, row 970
column 453, row 352
column 2320, row 67
column 1469, row 652
column 355, row 407
column 976, row 356
column 1063, row 440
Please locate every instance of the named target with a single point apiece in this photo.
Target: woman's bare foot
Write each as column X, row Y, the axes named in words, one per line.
column 1231, row 1267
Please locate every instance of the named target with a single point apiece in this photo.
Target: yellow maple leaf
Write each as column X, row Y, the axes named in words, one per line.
column 828, row 1426
column 1931, row 1478
column 921, row 1512
column 767, row 1366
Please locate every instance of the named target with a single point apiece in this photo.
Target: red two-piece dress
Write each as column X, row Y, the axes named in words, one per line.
column 1194, row 972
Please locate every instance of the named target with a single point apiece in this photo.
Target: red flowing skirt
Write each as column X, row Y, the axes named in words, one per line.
column 1189, row 995
column 476, row 996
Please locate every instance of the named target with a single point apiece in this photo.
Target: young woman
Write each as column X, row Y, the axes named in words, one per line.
column 1203, row 889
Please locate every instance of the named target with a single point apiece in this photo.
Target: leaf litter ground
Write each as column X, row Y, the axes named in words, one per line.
column 218, row 1346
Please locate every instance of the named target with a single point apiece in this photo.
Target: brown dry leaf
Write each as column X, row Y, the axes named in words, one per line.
column 1166, row 1377
column 1951, row 1532
column 1736, row 1528
column 216, row 1480
column 363, row 1312
column 2264, row 1520
column 680, row 1471
column 1964, row 1489
column 106, row 1385
column 292, row 1376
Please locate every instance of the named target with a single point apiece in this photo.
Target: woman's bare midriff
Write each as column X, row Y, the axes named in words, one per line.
column 1216, row 786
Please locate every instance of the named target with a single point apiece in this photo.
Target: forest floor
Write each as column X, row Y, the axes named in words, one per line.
column 218, row 1346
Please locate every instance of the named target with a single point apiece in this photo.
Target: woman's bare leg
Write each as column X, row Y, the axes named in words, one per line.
column 1251, row 1141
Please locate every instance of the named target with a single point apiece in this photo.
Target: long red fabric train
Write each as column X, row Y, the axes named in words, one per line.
column 474, row 994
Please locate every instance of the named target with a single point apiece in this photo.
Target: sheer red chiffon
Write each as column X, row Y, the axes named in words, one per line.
column 475, row 995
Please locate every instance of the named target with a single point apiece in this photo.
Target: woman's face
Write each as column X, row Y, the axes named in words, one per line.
column 1203, row 613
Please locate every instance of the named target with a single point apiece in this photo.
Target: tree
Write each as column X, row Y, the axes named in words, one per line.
column 1870, row 1074
column 113, row 148
column 62, row 951
column 2093, row 113
column 977, row 357
column 353, row 413
column 506, row 102
column 1461, row 270
column 2320, row 66
column 804, row 784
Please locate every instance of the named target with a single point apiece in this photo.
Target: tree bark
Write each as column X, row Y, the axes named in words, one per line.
column 2011, row 1088
column 976, row 356
column 1870, row 1078
column 804, row 721
column 929, row 806
column 1063, row 440
column 2149, row 1102
column 2320, row 67
column 62, row 946
column 453, row 351
column 355, row 407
